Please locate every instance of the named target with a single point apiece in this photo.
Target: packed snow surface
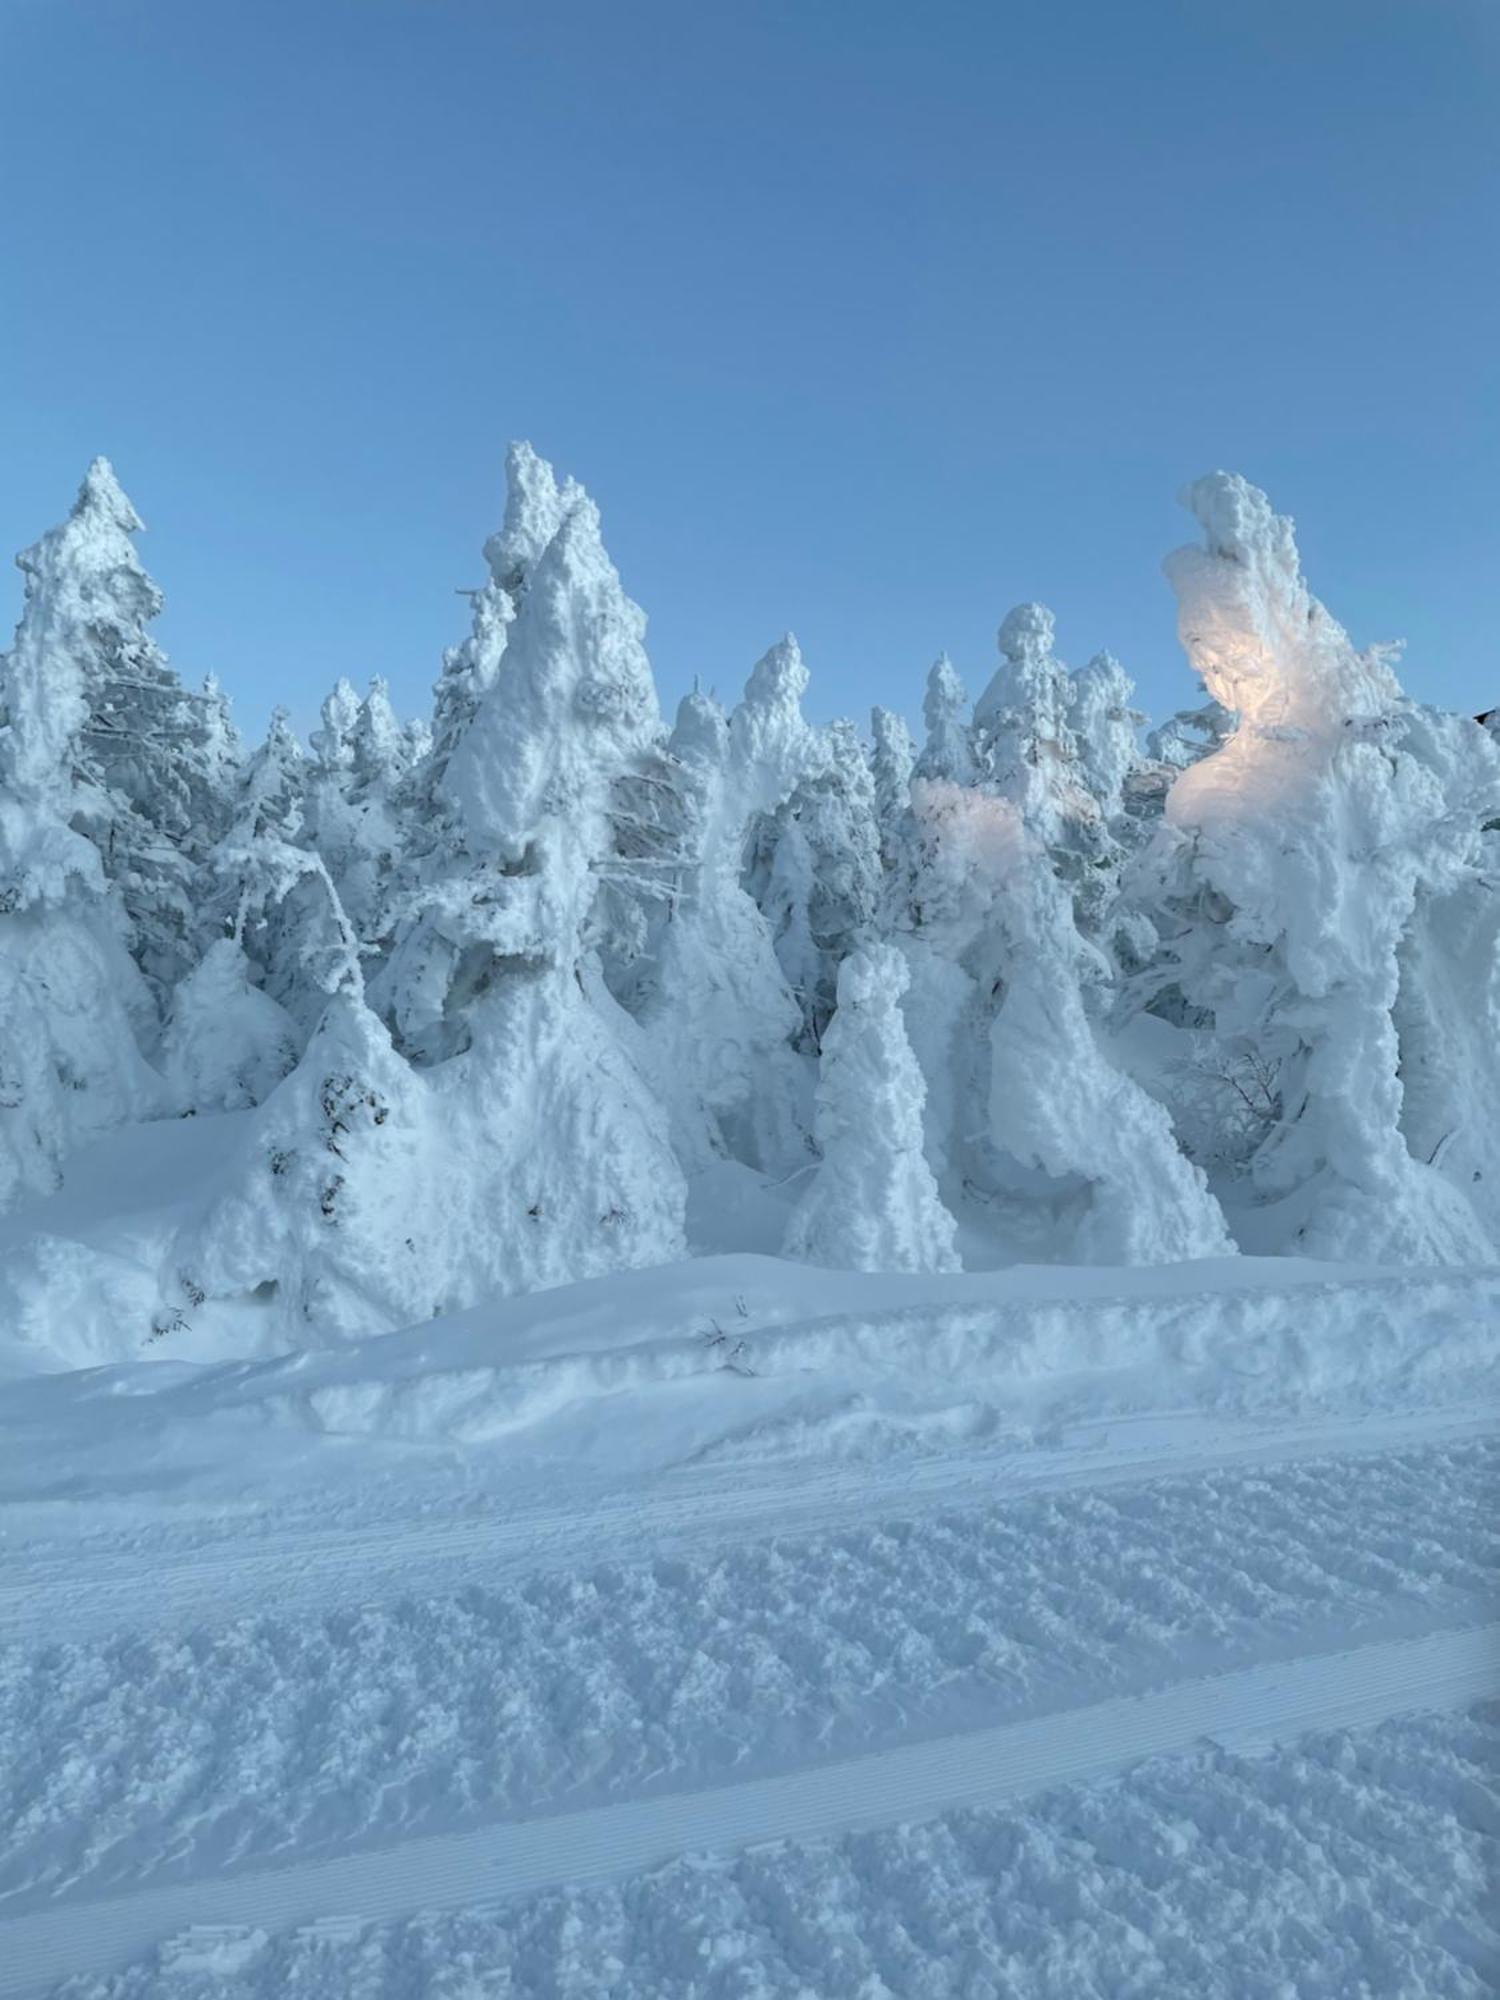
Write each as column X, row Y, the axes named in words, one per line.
column 642, row 1545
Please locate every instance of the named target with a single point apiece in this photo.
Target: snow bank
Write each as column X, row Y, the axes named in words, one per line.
column 741, row 1346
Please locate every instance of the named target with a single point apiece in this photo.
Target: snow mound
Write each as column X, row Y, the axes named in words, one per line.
column 692, row 1354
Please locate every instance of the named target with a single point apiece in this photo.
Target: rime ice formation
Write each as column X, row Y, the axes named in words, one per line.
column 566, row 1158
column 873, row 1204
column 1104, row 724
column 719, row 1014
column 227, row 1043
column 543, row 988
column 948, row 750
column 1331, row 812
column 71, row 1000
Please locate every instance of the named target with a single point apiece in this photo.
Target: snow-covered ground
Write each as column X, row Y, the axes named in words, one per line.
column 741, row 1628
column 715, row 1359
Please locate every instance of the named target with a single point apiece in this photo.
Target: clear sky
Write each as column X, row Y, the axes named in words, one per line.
column 857, row 316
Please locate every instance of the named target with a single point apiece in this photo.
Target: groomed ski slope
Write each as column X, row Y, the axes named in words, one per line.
column 1243, row 1711
column 1003, row 1620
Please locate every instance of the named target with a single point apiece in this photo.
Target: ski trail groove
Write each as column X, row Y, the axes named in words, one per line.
column 1241, row 1711
column 84, row 1594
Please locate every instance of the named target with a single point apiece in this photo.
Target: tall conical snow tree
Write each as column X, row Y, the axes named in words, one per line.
column 1122, row 1191
column 272, row 892
column 947, row 752
column 535, row 504
column 1027, row 748
column 719, row 1015
column 327, row 819
column 355, row 815
column 893, row 758
column 70, row 996
column 815, row 870
column 410, row 988
column 1104, row 724
column 147, row 756
column 873, row 1204
column 560, row 1154
column 1023, row 731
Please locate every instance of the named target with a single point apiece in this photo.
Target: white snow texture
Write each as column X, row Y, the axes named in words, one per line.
column 546, row 989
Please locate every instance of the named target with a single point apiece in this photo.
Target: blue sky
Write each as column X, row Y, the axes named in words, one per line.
column 864, row 319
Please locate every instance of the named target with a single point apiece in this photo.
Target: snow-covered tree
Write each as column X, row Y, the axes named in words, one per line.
column 273, row 893
column 1122, row 1189
column 378, row 747
column 947, row 752
column 1023, row 734
column 535, row 504
column 148, row 759
column 1104, row 725
column 70, row 996
column 1447, row 1018
column 1087, row 997
column 566, row 1162
column 893, row 758
column 326, row 819
column 411, row 987
column 329, row 1219
column 1084, row 1162
column 719, row 1013
column 227, row 1044
column 1291, row 865
column 873, row 1204
column 356, row 798
column 1027, row 749
column 333, row 741
column 815, row 870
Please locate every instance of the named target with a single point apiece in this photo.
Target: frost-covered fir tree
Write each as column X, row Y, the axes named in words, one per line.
column 1127, row 790
column 560, row 1155
column 70, row 995
column 1121, row 1189
column 535, row 504
column 719, row 1014
column 227, row 1044
column 1006, row 989
column 271, row 891
column 1023, row 734
column 333, row 741
column 1447, row 1018
column 815, row 870
column 873, row 1204
column 1083, row 1164
column 329, row 1221
column 326, row 818
column 938, row 908
column 947, row 751
column 410, row 988
column 1104, row 724
column 148, row 759
column 1292, row 863
column 893, row 758
column 382, row 755
column 355, row 811
column 1028, row 750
